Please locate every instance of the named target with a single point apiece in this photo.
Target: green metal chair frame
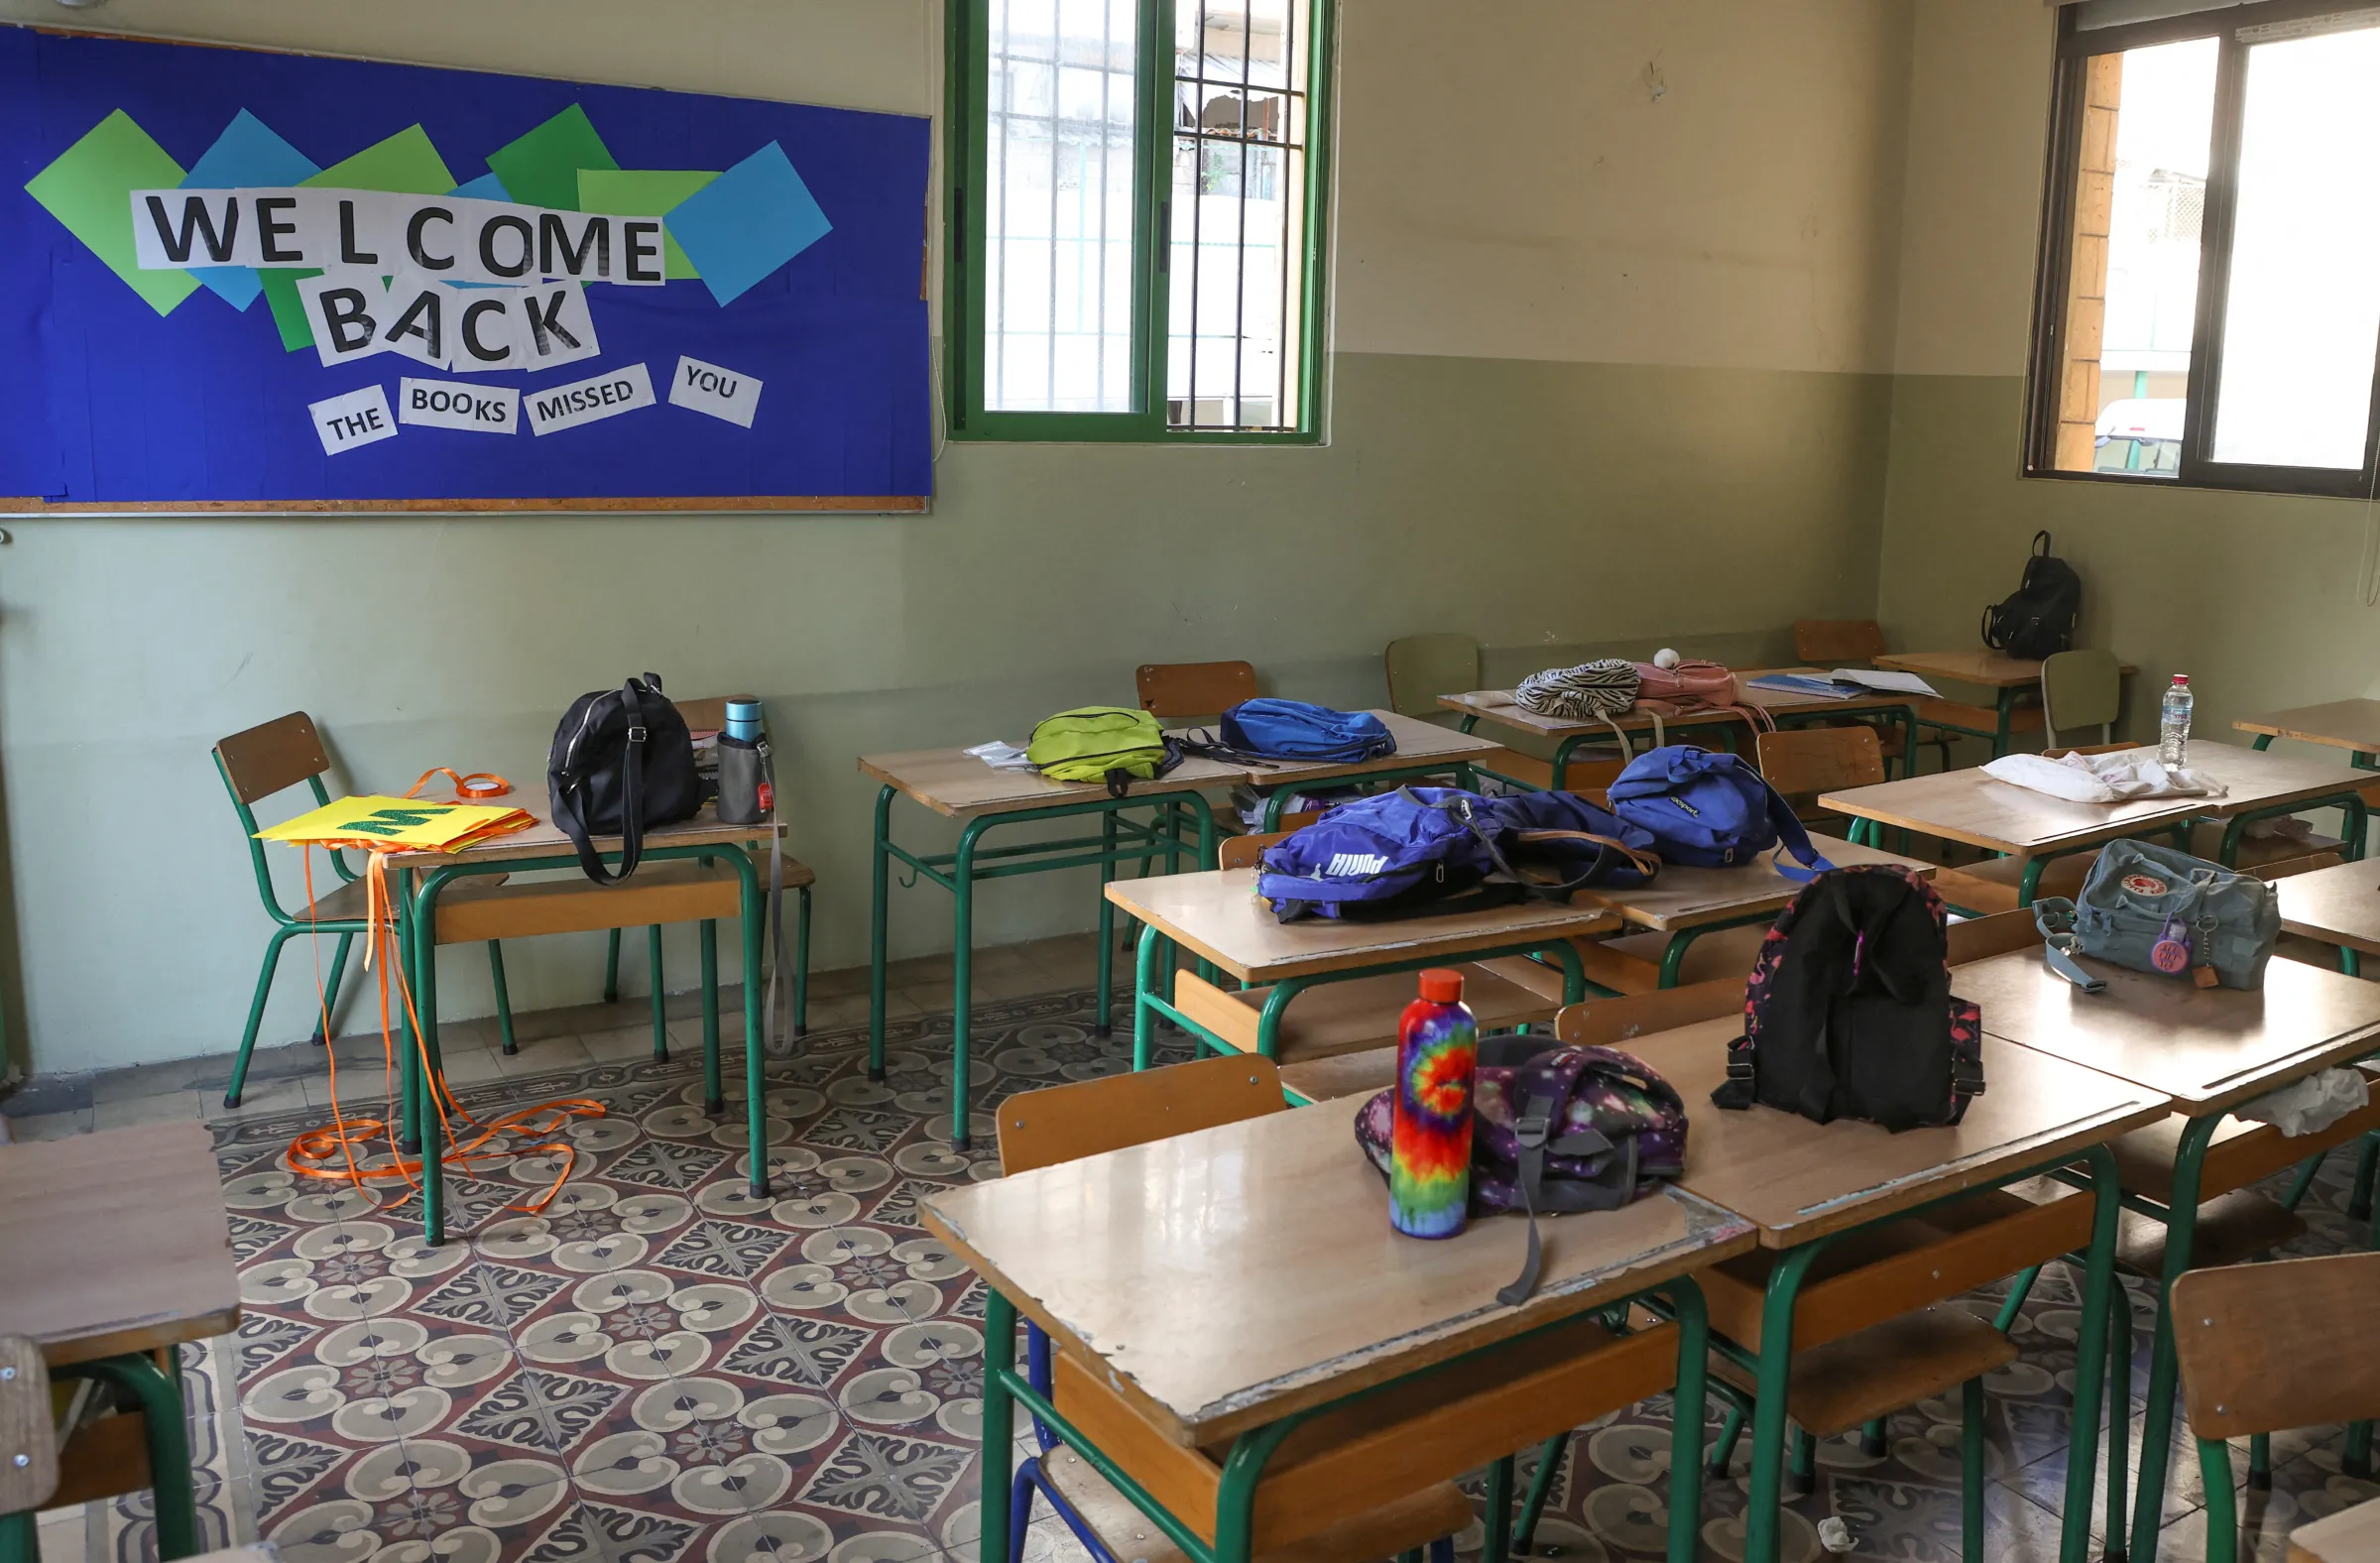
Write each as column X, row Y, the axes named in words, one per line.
column 2077, row 690
column 287, row 927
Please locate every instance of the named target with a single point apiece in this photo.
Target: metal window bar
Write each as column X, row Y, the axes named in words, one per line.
column 1292, row 141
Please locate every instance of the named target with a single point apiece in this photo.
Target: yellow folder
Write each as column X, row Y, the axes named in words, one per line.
column 399, row 824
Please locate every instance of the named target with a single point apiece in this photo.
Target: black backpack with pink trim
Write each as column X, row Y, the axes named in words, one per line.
column 1850, row 1012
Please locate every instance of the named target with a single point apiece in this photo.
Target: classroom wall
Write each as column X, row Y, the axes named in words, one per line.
column 2254, row 596
column 1613, row 334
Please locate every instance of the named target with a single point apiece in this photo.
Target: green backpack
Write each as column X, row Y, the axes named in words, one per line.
column 1114, row 744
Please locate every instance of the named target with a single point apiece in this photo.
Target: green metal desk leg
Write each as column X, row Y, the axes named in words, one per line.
column 2120, row 1416
column 425, row 1047
column 611, row 967
column 1269, row 1018
column 962, row 976
column 1144, row 1019
column 1762, row 1533
column 2181, row 1224
column 661, row 995
column 1235, row 1497
column 999, row 1427
column 1562, row 752
column 880, row 864
column 1999, row 739
column 1686, row 1422
column 504, row 999
column 1541, row 1484
column 1105, row 1026
column 714, row 1096
column 20, row 1539
column 169, row 1443
column 2090, row 1346
column 754, row 908
column 1971, row 1469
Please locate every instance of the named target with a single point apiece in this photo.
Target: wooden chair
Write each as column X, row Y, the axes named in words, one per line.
column 1421, row 668
column 1803, row 762
column 2081, row 688
column 2268, row 1347
column 270, row 759
column 1193, row 689
column 1839, row 643
column 1038, row 1128
column 709, row 716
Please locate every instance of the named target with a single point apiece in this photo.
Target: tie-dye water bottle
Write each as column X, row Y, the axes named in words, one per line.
column 1437, row 1047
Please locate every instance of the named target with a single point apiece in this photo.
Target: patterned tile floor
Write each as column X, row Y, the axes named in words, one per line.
column 661, row 1369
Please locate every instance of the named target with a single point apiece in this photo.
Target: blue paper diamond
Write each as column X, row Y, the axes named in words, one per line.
column 748, row 222
column 247, row 153
column 486, row 188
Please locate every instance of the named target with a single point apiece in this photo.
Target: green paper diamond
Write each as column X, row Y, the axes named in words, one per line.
column 542, row 168
column 288, row 310
column 88, row 188
column 645, row 192
column 405, row 162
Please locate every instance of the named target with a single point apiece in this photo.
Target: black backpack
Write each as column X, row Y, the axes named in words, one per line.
column 1849, row 1012
column 2039, row 620
column 622, row 762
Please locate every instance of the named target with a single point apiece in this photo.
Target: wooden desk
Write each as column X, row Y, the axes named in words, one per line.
column 1803, row 1183
column 1798, row 1180
column 2352, row 1535
column 1686, row 902
column 1218, row 917
column 2339, row 905
column 1498, row 706
column 2210, row 1049
column 960, row 788
column 114, row 1245
column 2008, row 676
column 420, row 878
column 1125, row 1257
column 2000, row 816
column 2353, row 725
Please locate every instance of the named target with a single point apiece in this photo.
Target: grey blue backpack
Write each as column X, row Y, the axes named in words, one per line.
column 2154, row 910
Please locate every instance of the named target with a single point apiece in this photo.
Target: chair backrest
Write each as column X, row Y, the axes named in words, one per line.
column 263, row 760
column 1421, row 668
column 2269, row 872
column 1194, row 688
column 1831, row 642
column 1610, row 1023
column 2061, row 751
column 2280, row 1345
column 2081, row 688
column 1241, row 852
column 1981, row 938
column 1803, row 760
column 1063, row 1123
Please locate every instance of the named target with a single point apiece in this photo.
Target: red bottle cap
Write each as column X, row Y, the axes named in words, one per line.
column 1440, row 985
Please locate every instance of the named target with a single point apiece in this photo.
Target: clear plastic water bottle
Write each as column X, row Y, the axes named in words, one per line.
column 2173, row 727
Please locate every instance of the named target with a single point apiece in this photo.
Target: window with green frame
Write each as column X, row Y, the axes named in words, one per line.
column 1136, row 222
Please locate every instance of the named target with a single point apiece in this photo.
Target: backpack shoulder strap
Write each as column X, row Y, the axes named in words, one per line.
column 1793, row 838
column 566, row 814
column 2053, row 916
column 1541, row 1096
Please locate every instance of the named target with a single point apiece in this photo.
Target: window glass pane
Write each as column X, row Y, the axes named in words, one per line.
column 2132, row 285
column 1236, row 304
column 2302, row 309
column 1058, row 206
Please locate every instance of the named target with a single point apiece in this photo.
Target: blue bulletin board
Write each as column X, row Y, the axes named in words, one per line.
column 236, row 279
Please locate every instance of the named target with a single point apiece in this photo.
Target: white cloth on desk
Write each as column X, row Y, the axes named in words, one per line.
column 2311, row 1104
column 2117, row 778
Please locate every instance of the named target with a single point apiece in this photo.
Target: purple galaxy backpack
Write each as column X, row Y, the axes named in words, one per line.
column 1555, row 1129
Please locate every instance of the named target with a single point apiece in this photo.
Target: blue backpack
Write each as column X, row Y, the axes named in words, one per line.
column 1268, row 729
column 1439, row 849
column 1711, row 812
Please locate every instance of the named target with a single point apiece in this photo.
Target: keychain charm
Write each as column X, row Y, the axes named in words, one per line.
column 2172, row 953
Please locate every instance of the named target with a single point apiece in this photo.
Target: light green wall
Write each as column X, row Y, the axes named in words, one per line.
column 1539, row 505
column 2253, row 595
